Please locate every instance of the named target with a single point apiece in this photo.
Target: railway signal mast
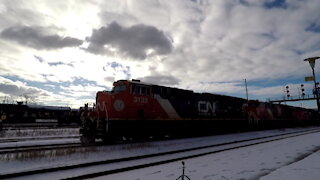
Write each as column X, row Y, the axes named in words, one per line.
column 303, row 96
column 312, row 62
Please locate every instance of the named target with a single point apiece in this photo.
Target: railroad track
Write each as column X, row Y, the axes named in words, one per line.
column 25, row 144
column 19, row 139
column 107, row 167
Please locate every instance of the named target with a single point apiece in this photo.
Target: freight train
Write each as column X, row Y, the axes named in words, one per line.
column 133, row 109
column 25, row 114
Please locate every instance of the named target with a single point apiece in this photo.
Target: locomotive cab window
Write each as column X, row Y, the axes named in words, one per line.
column 119, row 88
column 140, row 90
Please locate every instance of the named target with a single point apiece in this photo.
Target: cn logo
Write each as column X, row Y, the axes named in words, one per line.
column 118, row 105
column 205, row 107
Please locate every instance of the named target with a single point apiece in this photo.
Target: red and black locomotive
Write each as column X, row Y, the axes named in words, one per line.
column 137, row 110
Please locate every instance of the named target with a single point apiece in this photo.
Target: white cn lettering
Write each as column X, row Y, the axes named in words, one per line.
column 206, row 107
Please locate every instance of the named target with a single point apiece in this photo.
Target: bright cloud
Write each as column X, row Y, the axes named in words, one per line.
column 69, row 50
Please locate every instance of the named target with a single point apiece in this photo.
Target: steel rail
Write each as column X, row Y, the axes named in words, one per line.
column 21, row 139
column 40, row 147
column 123, row 169
column 145, row 165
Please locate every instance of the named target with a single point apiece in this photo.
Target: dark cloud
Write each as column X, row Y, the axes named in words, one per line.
column 59, row 63
column 161, row 80
column 133, row 41
column 36, row 38
column 14, row 90
column 109, row 79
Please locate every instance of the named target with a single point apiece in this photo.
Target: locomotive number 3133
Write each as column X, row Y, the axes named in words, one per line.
column 140, row 100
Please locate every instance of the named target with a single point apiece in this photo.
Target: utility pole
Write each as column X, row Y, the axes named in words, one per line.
column 312, row 62
column 245, row 82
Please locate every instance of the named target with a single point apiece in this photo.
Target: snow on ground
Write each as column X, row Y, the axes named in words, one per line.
column 268, row 161
column 13, row 162
column 308, row 168
column 245, row 163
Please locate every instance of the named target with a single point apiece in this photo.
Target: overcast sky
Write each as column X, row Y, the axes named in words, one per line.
column 62, row 52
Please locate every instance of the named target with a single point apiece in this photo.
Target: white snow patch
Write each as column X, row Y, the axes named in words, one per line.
column 307, row 168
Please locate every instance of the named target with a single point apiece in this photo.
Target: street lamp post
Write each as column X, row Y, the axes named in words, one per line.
column 312, row 62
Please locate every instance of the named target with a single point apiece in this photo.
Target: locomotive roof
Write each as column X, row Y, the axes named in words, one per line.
column 134, row 81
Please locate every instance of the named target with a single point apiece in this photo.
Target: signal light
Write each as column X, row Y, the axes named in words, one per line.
column 302, row 90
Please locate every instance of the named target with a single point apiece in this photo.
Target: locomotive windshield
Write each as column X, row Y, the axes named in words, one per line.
column 119, row 88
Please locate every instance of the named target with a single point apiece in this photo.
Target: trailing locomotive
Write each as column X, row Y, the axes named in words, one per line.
column 137, row 110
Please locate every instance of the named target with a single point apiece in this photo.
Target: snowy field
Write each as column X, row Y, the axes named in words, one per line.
column 296, row 158
column 284, row 159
